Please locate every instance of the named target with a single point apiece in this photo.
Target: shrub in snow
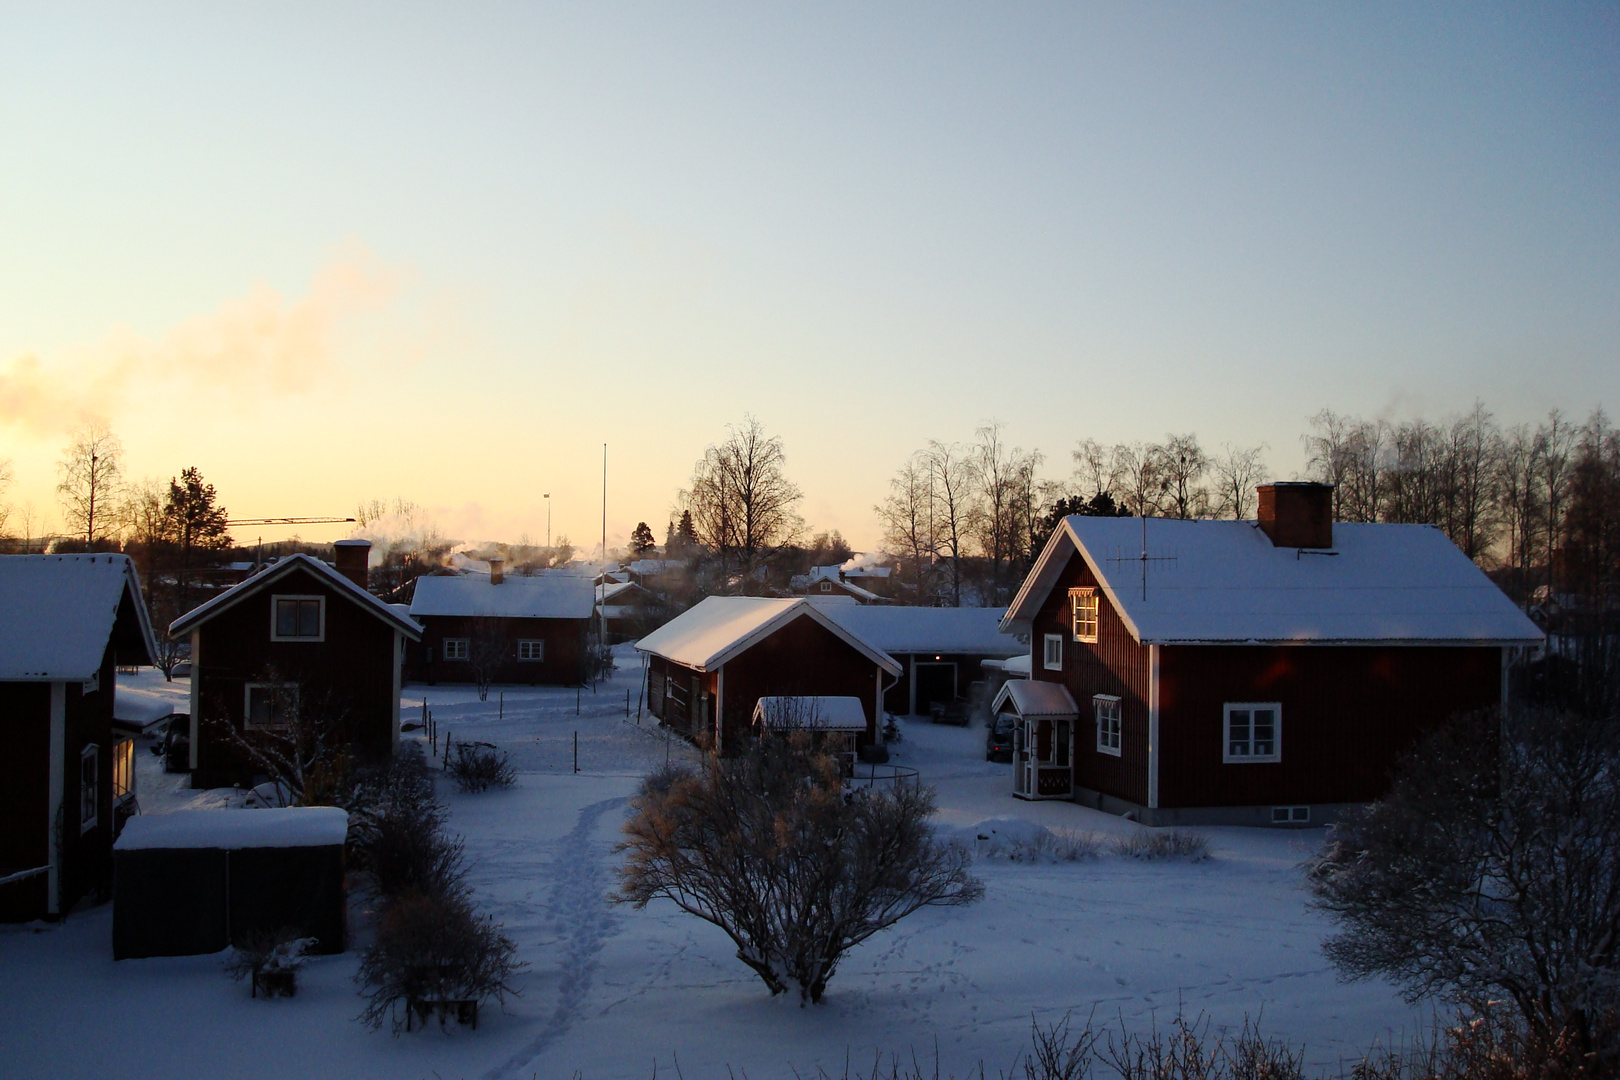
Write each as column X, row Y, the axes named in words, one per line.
column 1491, row 871
column 1048, row 846
column 1163, row 844
column 767, row 847
column 479, row 767
column 272, row 961
column 431, row 952
column 396, row 831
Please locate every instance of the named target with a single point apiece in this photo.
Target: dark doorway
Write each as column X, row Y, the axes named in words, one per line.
column 935, row 682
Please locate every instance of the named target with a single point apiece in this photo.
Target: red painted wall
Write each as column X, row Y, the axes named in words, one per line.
column 349, row 675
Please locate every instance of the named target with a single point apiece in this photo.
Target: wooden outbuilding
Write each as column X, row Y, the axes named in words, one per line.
column 195, row 881
column 708, row 668
column 299, row 642
column 1254, row 673
column 942, row 650
column 66, row 778
column 514, row 629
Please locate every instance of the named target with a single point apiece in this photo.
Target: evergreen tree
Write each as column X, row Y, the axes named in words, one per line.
column 641, row 540
column 195, row 522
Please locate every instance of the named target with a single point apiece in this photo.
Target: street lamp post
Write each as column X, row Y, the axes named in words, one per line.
column 547, row 497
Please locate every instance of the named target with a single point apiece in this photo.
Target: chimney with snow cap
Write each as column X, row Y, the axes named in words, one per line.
column 351, row 558
column 1297, row 515
column 497, row 571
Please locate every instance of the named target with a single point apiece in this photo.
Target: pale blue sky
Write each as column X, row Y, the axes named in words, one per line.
column 868, row 226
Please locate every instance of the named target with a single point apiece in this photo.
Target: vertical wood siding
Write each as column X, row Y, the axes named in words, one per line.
column 1114, row 664
column 1347, row 713
column 801, row 658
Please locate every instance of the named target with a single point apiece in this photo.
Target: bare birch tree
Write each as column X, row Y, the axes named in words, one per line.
column 1238, row 471
column 1182, row 464
column 90, row 479
column 741, row 500
column 954, row 497
column 1005, row 479
column 908, row 533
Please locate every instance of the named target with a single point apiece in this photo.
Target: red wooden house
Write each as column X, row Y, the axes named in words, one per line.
column 1249, row 672
column 66, row 778
column 941, row 649
column 518, row 629
column 708, row 667
column 298, row 640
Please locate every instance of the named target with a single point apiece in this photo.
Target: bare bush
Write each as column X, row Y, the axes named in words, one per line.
column 1064, row 845
column 1163, row 844
column 766, row 847
column 396, row 832
column 432, row 950
column 272, row 961
column 478, row 767
column 1491, row 870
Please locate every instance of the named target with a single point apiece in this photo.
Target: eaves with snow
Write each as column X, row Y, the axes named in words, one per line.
column 1223, row 582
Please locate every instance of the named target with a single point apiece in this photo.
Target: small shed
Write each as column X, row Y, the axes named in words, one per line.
column 195, row 881
column 837, row 722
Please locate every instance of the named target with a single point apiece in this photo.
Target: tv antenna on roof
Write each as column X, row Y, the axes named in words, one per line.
column 1144, row 558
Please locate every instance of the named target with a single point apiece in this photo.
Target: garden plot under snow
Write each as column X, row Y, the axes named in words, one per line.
column 612, row 992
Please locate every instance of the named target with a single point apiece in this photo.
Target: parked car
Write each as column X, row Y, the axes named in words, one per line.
column 998, row 738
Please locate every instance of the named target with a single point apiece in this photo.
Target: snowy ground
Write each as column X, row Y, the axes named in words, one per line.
column 614, row 992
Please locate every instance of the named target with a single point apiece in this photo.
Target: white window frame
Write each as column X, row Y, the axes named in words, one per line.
column 290, row 689
column 1249, row 757
column 89, row 788
column 275, row 603
column 455, row 648
column 1088, row 599
column 535, row 649
column 1052, row 656
column 123, row 777
column 1110, row 723
column 826, row 586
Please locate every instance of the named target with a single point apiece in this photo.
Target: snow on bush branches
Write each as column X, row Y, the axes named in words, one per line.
column 769, row 848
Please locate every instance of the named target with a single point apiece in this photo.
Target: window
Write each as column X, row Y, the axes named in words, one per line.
column 297, row 618
column 826, row 586
column 455, row 648
column 89, row 784
column 1253, row 732
column 1083, row 612
column 1054, row 652
column 270, row 706
column 531, row 649
column 1290, row 815
column 123, row 769
column 1106, row 706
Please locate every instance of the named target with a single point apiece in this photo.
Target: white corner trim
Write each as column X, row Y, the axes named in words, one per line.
column 399, row 663
column 1153, row 727
column 196, row 697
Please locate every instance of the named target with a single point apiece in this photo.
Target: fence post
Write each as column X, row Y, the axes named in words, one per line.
column 576, row 751
column 500, row 708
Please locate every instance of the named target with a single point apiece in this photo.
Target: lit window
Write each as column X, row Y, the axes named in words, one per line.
column 1053, row 661
column 1106, row 706
column 1083, row 612
column 455, row 648
column 270, row 706
column 1253, row 732
column 123, row 769
column 531, row 650
column 89, row 787
column 297, row 618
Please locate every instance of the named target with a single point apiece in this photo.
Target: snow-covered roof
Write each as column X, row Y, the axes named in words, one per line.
column 605, row 593
column 720, row 627
column 280, row 569
column 653, row 566
column 1224, row 582
column 816, row 713
column 1033, row 699
column 973, row 631
column 60, row 611
column 553, row 596
column 293, row 826
column 139, row 709
column 1014, row 667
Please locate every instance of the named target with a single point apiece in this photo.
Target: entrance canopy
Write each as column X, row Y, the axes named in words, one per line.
column 1032, row 699
column 811, row 713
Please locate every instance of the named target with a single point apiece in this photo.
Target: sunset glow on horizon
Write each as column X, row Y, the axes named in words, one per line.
column 447, row 254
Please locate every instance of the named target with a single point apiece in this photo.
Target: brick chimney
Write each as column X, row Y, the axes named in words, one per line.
column 497, row 571
column 351, row 559
column 1297, row 515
